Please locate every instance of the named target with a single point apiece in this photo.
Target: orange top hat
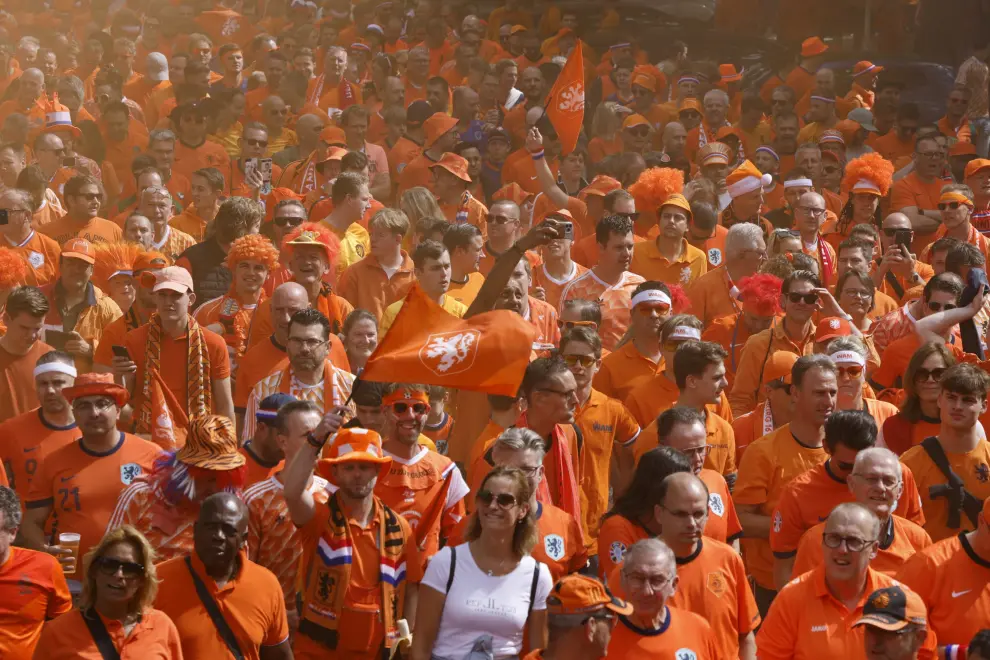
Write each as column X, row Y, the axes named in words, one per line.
column 211, row 444
column 456, row 165
column 745, row 179
column 93, row 384
column 583, row 595
column 729, row 73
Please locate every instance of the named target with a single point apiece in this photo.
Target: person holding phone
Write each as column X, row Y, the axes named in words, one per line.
column 896, row 270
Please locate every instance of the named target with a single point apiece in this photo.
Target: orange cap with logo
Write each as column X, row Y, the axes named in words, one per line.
column 79, row 248
column 584, row 595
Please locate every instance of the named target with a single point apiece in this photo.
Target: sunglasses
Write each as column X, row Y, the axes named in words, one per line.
column 891, row 233
column 950, row 205
column 256, row 143
column 502, row 500
column 194, row 119
column 922, row 374
column 632, row 216
column 806, row 298
column 938, row 307
column 852, row 372
column 830, row 170
column 649, row 310
column 671, row 344
column 567, row 325
column 400, row 408
column 639, row 131
column 586, row 361
column 292, row 222
column 129, row 569
column 500, row 219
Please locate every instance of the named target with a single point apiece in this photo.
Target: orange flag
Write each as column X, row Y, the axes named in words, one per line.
column 565, row 104
column 168, row 428
column 486, row 353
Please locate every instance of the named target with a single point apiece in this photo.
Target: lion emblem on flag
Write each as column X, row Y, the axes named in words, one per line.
column 450, row 352
column 571, row 99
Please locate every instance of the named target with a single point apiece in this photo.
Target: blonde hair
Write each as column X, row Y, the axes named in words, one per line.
column 525, row 535
column 391, row 220
column 145, row 596
column 418, row 203
column 606, row 121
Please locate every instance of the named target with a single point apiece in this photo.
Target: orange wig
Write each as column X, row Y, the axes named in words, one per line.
column 113, row 258
column 761, row 293
column 14, row 271
column 318, row 232
column 872, row 167
column 253, row 247
column 654, row 186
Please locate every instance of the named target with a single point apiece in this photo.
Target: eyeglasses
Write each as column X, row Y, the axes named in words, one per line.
column 99, row 406
column 501, row 219
column 853, row 543
column 930, row 155
column 639, row 131
column 922, row 374
column 649, row 310
column 400, row 408
column 256, row 143
column 634, row 215
column 806, row 298
column 530, row 471
column 778, row 101
column 567, row 325
column 291, row 222
column 812, row 211
column 938, row 307
column 787, row 233
column 696, row 452
column 586, row 361
column 129, row 569
column 853, row 372
column 655, row 582
column 950, row 205
column 306, row 343
column 875, row 481
column 857, row 293
column 502, row 500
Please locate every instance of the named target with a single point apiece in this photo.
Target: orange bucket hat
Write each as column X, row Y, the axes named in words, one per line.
column 456, row 165
column 211, row 444
column 437, row 126
column 93, row 384
column 813, row 46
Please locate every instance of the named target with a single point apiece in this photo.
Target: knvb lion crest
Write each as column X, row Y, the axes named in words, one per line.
column 571, row 99
column 449, row 353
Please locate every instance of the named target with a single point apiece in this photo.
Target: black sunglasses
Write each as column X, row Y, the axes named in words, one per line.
column 891, row 233
column 292, row 222
column 400, row 408
column 110, row 566
column 256, row 143
column 639, row 131
column 921, row 375
column 807, row 298
column 632, row 216
column 949, row 205
column 503, row 500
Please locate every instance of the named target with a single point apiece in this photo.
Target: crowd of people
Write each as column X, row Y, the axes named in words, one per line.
column 752, row 421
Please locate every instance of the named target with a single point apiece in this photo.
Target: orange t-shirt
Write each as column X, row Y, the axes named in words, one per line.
column 366, row 285
column 891, row 147
column 416, row 173
column 543, row 317
column 767, row 466
column 95, row 230
column 954, row 582
column 683, row 634
column 190, row 222
column 189, row 159
column 42, row 253
column 24, row 442
column 34, row 590
column 466, row 292
column 722, row 456
column 625, row 369
column 82, row 487
column 18, row 395
column 68, row 638
column 251, row 602
column 730, row 334
column 904, row 540
column 710, row 297
column 806, row 621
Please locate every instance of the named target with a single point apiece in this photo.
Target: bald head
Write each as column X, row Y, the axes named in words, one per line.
column 33, row 75
column 289, row 293
column 673, row 129
column 811, row 200
column 897, row 221
column 682, row 486
column 852, row 515
column 648, row 551
column 223, row 502
column 876, row 457
column 309, row 123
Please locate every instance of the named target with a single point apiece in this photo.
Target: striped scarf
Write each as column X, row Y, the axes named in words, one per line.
column 329, row 574
column 199, row 394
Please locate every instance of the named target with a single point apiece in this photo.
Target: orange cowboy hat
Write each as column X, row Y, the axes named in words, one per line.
column 211, row 444
column 93, row 384
column 437, row 126
column 812, row 47
column 353, row 445
column 456, row 165
column 60, row 121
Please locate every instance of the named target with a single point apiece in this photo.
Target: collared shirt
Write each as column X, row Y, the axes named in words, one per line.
column 747, row 388
column 624, row 369
column 649, row 262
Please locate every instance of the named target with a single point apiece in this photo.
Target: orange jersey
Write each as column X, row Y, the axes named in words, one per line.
column 553, row 288
column 971, row 467
column 17, row 371
column 34, row 590
column 767, row 466
column 722, row 454
column 42, row 253
column 411, row 486
column 713, row 247
column 543, row 317
column 252, row 602
column 465, row 292
column 257, row 469
column 747, row 388
column 367, row 285
column 24, row 442
column 274, row 542
column 625, row 369
column 711, row 296
column 648, row 262
column 615, row 301
column 68, row 638
column 683, row 634
column 439, row 432
column 898, row 543
column 82, row 488
column 167, row 527
column 954, row 582
column 806, row 621
column 95, row 230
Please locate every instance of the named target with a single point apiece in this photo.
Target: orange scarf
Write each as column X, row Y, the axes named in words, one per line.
column 561, row 462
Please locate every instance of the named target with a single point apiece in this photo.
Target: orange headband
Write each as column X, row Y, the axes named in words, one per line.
column 955, row 196
column 403, row 394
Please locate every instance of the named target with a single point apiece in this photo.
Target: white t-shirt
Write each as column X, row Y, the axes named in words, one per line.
column 478, row 603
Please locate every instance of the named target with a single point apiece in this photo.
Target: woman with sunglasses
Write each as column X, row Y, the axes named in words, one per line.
column 115, row 607
column 919, row 416
column 483, row 595
column 850, row 355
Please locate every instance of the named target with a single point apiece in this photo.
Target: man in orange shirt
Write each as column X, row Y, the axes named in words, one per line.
column 714, row 294
column 206, row 189
column 953, row 579
column 20, row 347
column 955, row 204
column 897, row 270
column 711, row 578
column 84, row 196
column 192, row 150
column 962, row 399
column 465, row 244
column 656, row 629
column 263, row 456
column 917, row 194
column 38, row 250
column 450, row 184
column 30, row 100
column 32, row 586
column 670, row 258
column 245, row 597
column 811, row 616
column 774, row 460
column 81, row 481
column 386, row 274
column 654, row 395
column 897, row 144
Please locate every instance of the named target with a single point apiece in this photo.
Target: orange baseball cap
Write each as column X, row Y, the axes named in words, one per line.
column 645, row 81
column 600, row 186
column 456, row 165
column 866, row 67
column 333, row 135
column 583, row 595
column 150, row 261
column 975, row 166
column 79, row 248
column 832, row 327
column 437, row 126
column 893, row 608
column 778, row 367
column 689, row 104
column 813, row 46
column 517, row 28
column 635, row 120
column 334, row 153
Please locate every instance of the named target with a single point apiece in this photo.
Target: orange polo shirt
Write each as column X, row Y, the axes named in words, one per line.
column 905, row 539
column 806, row 621
column 42, row 253
column 710, row 297
column 652, row 397
column 34, row 590
column 952, row 579
column 747, row 388
column 251, row 602
column 367, row 285
column 751, row 426
column 25, row 440
column 648, row 262
column 68, row 638
column 721, row 457
column 95, row 230
column 683, row 635
column 768, row 465
column 465, row 292
column 625, row 369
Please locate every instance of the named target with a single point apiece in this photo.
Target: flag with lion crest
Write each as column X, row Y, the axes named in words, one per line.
column 485, row 353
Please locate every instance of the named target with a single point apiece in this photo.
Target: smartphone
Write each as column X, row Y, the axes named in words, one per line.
column 120, row 351
column 250, row 165
column 903, row 237
column 4, row 218
column 69, row 161
column 56, row 338
column 265, row 169
column 569, row 230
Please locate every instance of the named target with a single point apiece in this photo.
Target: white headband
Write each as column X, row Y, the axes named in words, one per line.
column 749, row 184
column 121, row 272
column 848, row 357
column 865, row 184
column 59, row 367
column 794, row 183
column 824, row 99
column 685, row 332
column 650, row 295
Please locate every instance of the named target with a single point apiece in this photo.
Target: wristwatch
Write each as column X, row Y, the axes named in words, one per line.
column 315, row 442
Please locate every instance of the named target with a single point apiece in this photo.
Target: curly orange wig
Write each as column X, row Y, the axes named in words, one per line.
column 874, row 168
column 112, row 258
column 761, row 293
column 655, row 185
column 253, row 247
column 323, row 235
column 679, row 301
column 13, row 270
